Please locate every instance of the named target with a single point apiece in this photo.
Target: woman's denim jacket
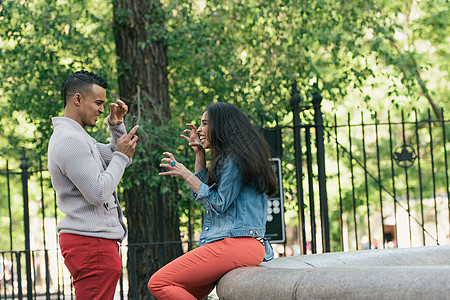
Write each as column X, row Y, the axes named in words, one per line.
column 231, row 208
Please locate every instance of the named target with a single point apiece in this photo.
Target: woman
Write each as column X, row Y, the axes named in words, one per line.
column 234, row 192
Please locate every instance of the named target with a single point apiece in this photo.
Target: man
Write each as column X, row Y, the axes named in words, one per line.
column 85, row 175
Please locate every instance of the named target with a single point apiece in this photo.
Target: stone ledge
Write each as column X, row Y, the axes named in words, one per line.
column 419, row 256
column 413, row 273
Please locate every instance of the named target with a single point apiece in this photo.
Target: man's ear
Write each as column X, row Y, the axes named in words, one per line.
column 76, row 99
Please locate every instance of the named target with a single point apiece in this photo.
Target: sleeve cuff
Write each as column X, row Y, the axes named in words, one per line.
column 122, row 157
column 203, row 192
column 202, row 174
column 109, row 124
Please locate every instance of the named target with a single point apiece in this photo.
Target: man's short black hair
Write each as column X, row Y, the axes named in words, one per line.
column 79, row 82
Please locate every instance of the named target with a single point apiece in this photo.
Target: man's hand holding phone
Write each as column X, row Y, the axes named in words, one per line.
column 127, row 142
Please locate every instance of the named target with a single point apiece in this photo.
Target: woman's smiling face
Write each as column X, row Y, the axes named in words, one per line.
column 203, row 132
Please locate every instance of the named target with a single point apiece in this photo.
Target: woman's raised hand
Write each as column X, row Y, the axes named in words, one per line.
column 174, row 168
column 177, row 169
column 192, row 138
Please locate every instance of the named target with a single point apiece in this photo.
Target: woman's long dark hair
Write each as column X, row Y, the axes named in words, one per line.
column 231, row 134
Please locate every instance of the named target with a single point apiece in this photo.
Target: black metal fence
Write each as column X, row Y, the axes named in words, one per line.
column 380, row 182
column 30, row 215
column 369, row 183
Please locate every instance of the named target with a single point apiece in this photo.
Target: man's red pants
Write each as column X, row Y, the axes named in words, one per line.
column 94, row 263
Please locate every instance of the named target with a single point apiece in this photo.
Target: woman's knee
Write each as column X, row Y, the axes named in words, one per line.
column 154, row 283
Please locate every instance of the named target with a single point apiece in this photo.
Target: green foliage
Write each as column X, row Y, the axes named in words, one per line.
column 373, row 55
column 41, row 44
column 249, row 54
column 242, row 52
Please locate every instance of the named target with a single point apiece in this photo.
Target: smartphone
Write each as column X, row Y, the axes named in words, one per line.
column 133, row 121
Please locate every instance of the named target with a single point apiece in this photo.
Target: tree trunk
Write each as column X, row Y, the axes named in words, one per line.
column 143, row 85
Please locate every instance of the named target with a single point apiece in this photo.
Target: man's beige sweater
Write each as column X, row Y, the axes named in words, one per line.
column 85, row 175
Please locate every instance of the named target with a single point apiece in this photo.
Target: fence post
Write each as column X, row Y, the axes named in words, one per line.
column 295, row 101
column 19, row 276
column 318, row 120
column 26, row 221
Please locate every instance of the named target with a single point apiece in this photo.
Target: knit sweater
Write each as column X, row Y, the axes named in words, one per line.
column 85, row 175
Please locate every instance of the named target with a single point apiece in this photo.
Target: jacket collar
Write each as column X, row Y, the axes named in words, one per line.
column 68, row 123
